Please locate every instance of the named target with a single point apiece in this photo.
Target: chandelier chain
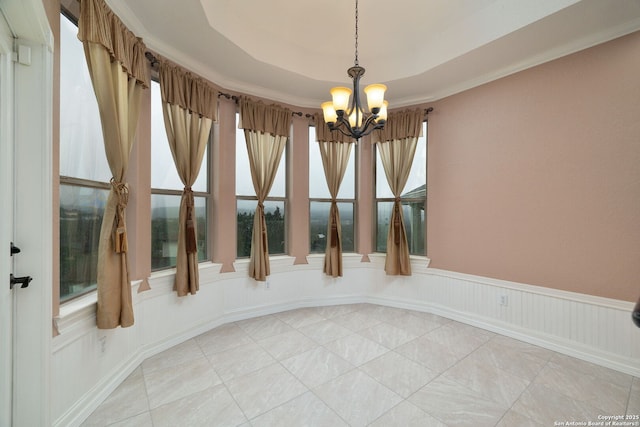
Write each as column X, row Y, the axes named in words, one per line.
column 356, row 60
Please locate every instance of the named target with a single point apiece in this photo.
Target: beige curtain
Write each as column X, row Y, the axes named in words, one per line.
column 118, row 72
column 266, row 130
column 189, row 105
column 335, row 149
column 397, row 145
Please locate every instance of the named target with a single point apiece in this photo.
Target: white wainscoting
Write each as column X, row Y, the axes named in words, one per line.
column 88, row 364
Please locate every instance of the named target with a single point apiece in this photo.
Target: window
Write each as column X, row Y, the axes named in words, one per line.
column 274, row 205
column 166, row 193
column 413, row 201
column 84, row 172
column 320, row 201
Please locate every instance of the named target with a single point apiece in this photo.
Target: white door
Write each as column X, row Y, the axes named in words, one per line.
column 7, row 300
column 25, row 212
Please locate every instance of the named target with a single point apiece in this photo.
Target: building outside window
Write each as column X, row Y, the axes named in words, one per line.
column 413, row 201
column 320, row 200
column 166, row 193
column 274, row 205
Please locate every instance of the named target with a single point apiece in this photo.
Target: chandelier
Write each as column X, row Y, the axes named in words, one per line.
column 350, row 119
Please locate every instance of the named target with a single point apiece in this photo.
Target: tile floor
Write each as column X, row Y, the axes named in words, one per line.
column 361, row 365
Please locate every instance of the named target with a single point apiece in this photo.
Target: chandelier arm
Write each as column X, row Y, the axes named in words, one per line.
column 339, row 127
column 370, row 120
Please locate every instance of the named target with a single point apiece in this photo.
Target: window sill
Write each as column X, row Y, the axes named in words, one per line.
column 79, row 314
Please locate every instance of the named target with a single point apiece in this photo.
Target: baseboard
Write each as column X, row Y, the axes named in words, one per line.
column 88, row 403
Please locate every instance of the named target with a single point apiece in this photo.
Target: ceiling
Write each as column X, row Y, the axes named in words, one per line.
column 294, row 51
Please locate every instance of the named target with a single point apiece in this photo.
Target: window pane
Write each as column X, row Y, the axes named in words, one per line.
column 274, row 217
column 163, row 170
column 319, row 222
column 317, row 183
column 81, row 212
column 164, row 229
column 81, row 143
column 244, row 184
column 417, row 176
column 413, row 213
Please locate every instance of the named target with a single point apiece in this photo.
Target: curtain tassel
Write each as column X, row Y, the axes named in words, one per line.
column 191, row 241
column 396, row 221
column 334, row 225
column 120, row 243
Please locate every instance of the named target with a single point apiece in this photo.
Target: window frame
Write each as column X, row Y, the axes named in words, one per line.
column 354, row 201
column 206, row 195
column 64, row 180
column 284, row 199
column 377, row 200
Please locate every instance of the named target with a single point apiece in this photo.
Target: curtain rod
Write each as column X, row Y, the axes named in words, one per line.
column 154, row 63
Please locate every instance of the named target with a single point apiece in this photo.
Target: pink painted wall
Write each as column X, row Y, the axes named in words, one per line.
column 535, row 178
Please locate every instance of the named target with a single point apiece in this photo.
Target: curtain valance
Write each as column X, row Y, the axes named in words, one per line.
column 190, row 92
column 323, row 134
column 400, row 125
column 98, row 24
column 259, row 117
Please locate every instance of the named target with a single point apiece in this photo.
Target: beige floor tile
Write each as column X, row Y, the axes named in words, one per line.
column 211, row 407
column 513, row 418
column 356, row 349
column 548, row 406
column 398, row 373
column 357, row 398
column 240, row 361
column 300, row 317
column 491, row 382
column 456, row 405
column 260, row 391
column 329, row 311
column 305, row 410
column 593, row 390
column 289, row 344
column 417, row 323
column 600, row 373
column 317, row 366
column 127, row 400
column 175, row 356
column 355, row 321
column 388, row 335
column 521, row 363
column 264, row 327
column 633, row 407
column 428, row 353
column 173, row 383
column 223, row 338
column 142, row 420
column 406, row 414
column 325, row 331
column 458, row 339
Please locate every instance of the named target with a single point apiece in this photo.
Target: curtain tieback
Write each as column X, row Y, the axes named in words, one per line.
column 396, row 221
column 190, row 235
column 121, row 189
column 260, row 211
column 333, row 237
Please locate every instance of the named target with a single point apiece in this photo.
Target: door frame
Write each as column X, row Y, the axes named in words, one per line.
column 33, row 211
